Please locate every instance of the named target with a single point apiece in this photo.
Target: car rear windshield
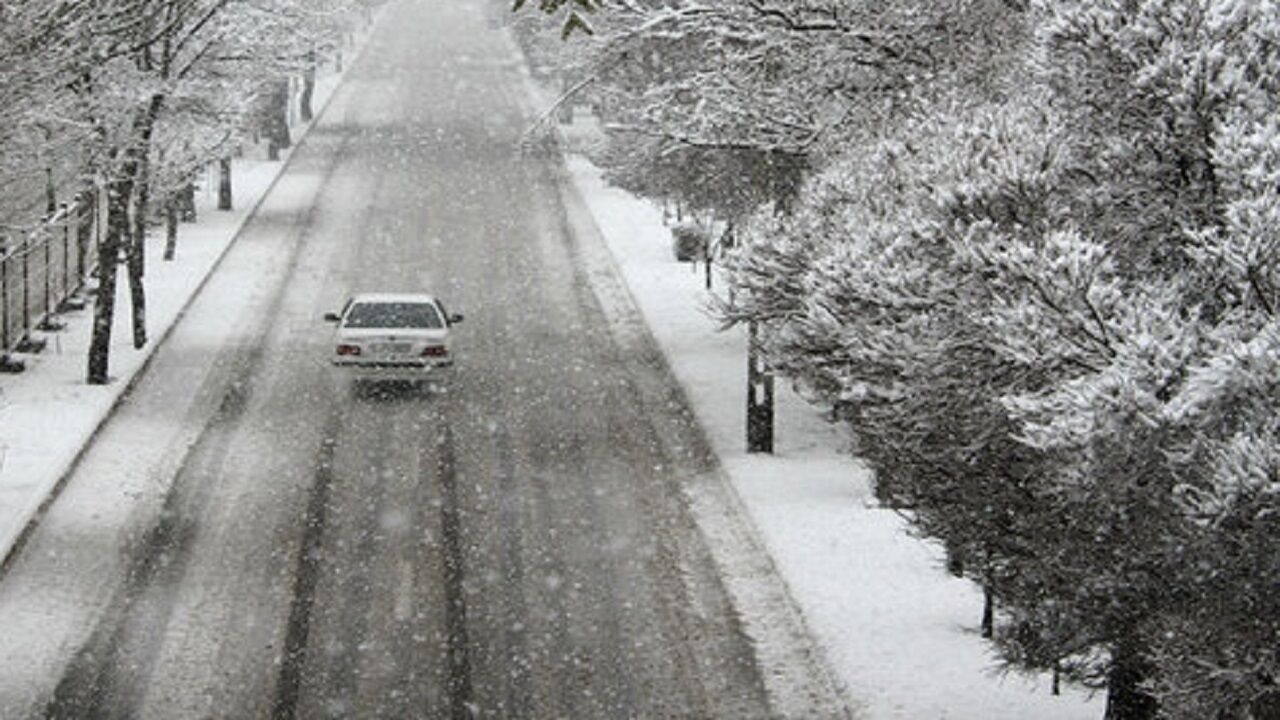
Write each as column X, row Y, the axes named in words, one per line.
column 393, row 315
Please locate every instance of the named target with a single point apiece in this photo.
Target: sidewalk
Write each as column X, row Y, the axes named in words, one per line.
column 900, row 633
column 47, row 413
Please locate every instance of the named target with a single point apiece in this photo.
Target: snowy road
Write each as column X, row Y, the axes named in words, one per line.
column 515, row 545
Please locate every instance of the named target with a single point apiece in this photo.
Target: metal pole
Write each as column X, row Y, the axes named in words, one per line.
column 67, row 216
column 26, row 287
column 4, row 292
column 48, row 285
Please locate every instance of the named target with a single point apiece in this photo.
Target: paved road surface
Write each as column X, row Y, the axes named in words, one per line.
column 513, row 545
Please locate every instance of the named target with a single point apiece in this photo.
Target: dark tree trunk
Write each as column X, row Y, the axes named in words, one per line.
column 140, row 176
column 138, row 246
column 1125, row 698
column 955, row 559
column 278, row 120
column 138, row 256
column 85, row 228
column 171, row 226
column 104, row 305
column 988, row 614
column 136, row 266
column 224, row 184
column 118, row 238
column 308, row 88
column 138, row 302
column 187, row 203
column 50, row 193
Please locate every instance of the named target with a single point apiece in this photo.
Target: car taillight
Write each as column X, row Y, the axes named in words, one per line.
column 435, row 351
column 348, row 349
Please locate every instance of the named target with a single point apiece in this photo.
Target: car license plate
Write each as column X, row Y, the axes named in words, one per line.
column 390, row 348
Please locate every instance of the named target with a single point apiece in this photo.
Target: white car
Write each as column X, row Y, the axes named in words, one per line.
column 392, row 336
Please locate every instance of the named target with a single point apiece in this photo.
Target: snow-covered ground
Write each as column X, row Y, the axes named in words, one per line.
column 901, row 634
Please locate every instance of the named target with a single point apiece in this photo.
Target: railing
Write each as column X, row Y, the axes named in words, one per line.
column 40, row 270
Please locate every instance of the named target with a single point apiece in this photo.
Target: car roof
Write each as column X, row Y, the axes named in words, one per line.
column 392, row 297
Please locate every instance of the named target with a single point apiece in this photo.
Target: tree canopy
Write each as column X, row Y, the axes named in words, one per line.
column 122, row 101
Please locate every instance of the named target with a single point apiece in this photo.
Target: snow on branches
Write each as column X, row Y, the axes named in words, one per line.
column 755, row 91
column 120, row 101
column 1050, row 311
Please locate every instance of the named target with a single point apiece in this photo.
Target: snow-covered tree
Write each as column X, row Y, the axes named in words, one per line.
column 123, row 94
column 729, row 103
column 1053, row 314
column 39, row 154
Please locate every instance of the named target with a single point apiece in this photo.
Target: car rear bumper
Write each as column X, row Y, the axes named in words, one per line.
column 433, row 369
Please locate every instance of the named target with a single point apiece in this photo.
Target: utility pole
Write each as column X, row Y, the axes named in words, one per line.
column 759, row 396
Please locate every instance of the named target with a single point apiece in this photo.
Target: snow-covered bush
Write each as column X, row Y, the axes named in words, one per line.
column 689, row 241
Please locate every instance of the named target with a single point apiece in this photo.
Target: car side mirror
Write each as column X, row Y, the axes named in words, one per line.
column 332, row 317
column 455, row 318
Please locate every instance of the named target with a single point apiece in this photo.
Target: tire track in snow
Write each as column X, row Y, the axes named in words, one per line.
column 460, row 692
column 310, row 560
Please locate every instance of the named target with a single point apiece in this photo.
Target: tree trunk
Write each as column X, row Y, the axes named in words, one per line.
column 278, row 120
column 759, row 396
column 50, row 193
column 308, row 87
column 1125, row 698
column 139, row 169
column 138, row 303
column 86, row 226
column 955, row 559
column 171, row 225
column 120, row 195
column 136, row 266
column 138, row 246
column 138, row 256
column 224, row 184
column 988, row 614
column 187, row 203
column 104, row 305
